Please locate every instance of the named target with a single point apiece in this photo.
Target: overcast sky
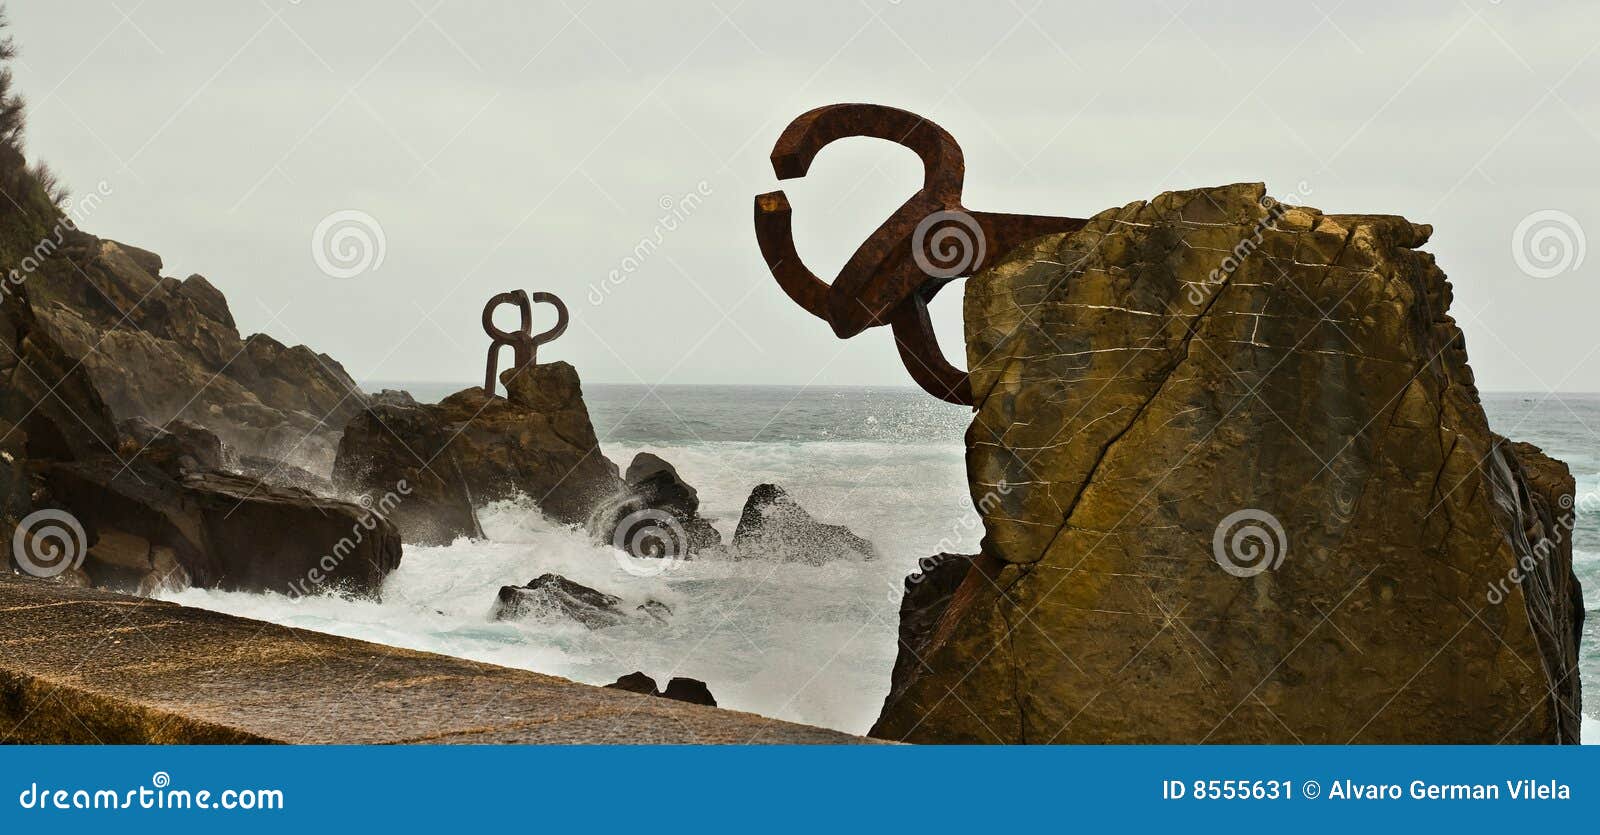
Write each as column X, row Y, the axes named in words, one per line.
column 531, row 144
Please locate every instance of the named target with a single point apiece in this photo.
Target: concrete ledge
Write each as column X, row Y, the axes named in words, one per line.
column 89, row 666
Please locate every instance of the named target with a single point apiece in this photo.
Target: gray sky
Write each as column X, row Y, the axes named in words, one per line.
column 530, row 144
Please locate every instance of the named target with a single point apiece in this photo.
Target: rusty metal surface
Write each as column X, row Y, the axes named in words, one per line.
column 523, row 341
column 928, row 242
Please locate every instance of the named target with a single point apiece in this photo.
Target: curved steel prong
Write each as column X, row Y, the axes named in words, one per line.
column 895, row 272
column 524, row 344
column 559, row 328
column 776, row 238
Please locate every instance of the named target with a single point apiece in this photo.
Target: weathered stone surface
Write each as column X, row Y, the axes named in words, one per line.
column 218, row 531
column 470, row 449
column 170, row 674
column 774, row 526
column 181, row 446
column 1206, row 353
column 161, row 349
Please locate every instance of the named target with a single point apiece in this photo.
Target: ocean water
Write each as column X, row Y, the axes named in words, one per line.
column 811, row 644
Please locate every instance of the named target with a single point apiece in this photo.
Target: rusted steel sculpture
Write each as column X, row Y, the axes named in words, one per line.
column 524, row 343
column 928, row 242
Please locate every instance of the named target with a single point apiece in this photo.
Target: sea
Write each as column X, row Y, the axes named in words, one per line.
column 805, row 643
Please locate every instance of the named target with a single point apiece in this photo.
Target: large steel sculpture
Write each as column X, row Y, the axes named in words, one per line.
column 928, row 242
column 523, row 341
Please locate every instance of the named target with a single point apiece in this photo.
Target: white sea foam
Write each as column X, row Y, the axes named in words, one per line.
column 809, row 644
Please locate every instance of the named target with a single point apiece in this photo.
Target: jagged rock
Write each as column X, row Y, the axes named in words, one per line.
column 928, row 592
column 181, row 446
column 688, row 690
column 392, row 397
column 1205, row 357
column 774, row 526
column 162, row 349
column 217, row 530
column 282, row 474
column 552, row 595
column 657, row 513
column 470, row 449
column 691, row 690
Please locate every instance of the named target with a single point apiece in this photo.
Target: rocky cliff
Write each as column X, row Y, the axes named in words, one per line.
column 132, row 505
column 1237, row 487
column 162, row 349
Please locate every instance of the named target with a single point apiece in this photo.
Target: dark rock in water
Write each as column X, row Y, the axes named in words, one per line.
column 688, row 690
column 219, row 531
column 552, row 595
column 693, row 691
column 1237, row 487
column 774, row 526
column 636, row 682
column 181, row 446
column 470, row 449
column 655, row 610
column 657, row 514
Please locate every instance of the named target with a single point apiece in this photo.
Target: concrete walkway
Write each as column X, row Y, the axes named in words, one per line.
column 88, row 666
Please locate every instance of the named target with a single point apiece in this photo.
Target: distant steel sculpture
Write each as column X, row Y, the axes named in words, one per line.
column 928, row 242
column 524, row 343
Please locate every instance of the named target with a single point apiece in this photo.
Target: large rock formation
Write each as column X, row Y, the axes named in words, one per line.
column 469, row 449
column 140, row 509
column 160, row 348
column 1237, row 487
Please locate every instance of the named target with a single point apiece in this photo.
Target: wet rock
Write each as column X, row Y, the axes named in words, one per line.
column 928, row 593
column 282, row 474
column 689, row 690
column 1237, row 487
column 552, row 595
column 470, row 449
column 146, row 530
column 636, row 682
column 181, row 446
column 164, row 349
column 774, row 526
column 657, row 514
